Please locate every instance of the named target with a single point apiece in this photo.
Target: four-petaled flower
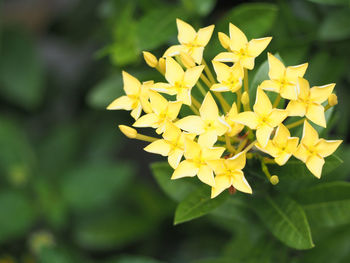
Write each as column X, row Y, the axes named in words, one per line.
column 192, row 42
column 235, row 127
column 162, row 112
column 172, row 144
column 229, row 173
column 283, row 80
column 230, row 78
column 312, row 150
column 180, row 82
column 263, row 119
column 136, row 97
column 309, row 102
column 241, row 50
column 282, row 146
column 209, row 124
column 197, row 156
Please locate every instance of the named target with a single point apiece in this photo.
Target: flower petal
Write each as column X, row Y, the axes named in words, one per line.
column 310, row 135
column 173, row 71
column 207, row 139
column 204, row 35
column 173, row 51
column 173, row 109
column 226, row 57
column 238, row 38
column 282, row 158
column 220, row 87
column 263, row 134
column 196, row 53
column 315, row 165
column 193, row 124
column 277, row 116
column 240, row 183
column 276, row 67
column 289, row 92
column 247, row 118
column 192, row 75
column 131, row 84
column 186, row 32
column 319, row 94
column 236, row 162
column 326, row 148
column 222, row 182
column 256, row 46
column 148, row 120
column 281, row 136
column 158, row 102
column 161, row 147
column 136, row 113
column 222, row 71
column 218, row 166
column 293, row 72
column 185, row 169
column 270, row 85
column 206, row 175
column 213, row 153
column 192, row 150
column 121, row 103
column 209, row 110
column 262, row 104
column 172, row 132
column 315, row 113
column 301, row 153
column 296, row 108
column 292, row 144
column 303, row 88
column 174, row 158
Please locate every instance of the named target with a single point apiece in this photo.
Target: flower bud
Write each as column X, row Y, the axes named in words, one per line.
column 332, row 100
column 128, row 131
column 161, row 65
column 245, row 98
column 224, row 40
column 187, row 60
column 150, row 59
column 274, row 179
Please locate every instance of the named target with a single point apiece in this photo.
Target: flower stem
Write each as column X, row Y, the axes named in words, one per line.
column 201, row 88
column 249, row 146
column 228, row 144
column 225, row 106
column 205, row 80
column 208, row 72
column 295, row 124
column 195, row 102
column 277, row 101
column 194, row 109
column 239, row 95
column 246, row 88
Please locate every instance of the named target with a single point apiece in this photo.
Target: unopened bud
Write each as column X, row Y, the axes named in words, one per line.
column 161, row 65
column 274, row 179
column 187, row 60
column 128, row 131
column 332, row 100
column 245, row 98
column 150, row 59
column 224, row 40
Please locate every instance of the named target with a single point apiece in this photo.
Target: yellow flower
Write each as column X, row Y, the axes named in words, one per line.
column 309, row 102
column 229, row 172
column 197, row 157
column 283, row 80
column 230, row 78
column 235, row 127
column 136, row 97
column 264, row 118
column 241, row 50
column 173, row 144
column 312, row 150
column 180, row 82
column 209, row 124
column 162, row 112
column 282, row 146
column 192, row 42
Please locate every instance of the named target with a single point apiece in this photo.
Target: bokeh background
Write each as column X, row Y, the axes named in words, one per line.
column 72, row 188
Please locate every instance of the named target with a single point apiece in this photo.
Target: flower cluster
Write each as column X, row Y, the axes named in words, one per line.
column 214, row 142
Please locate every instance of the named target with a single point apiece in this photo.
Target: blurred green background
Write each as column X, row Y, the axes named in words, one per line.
column 72, row 188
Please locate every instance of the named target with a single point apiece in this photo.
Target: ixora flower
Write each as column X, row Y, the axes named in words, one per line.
column 240, row 50
column 312, row 150
column 263, row 119
column 180, row 82
column 214, row 142
column 283, row 80
column 191, row 42
column 309, row 102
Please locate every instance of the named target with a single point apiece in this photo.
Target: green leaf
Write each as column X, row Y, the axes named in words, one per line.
column 197, row 204
column 157, row 27
column 327, row 204
column 112, row 230
column 200, row 7
column 254, row 19
column 54, row 255
column 21, row 70
column 92, row 185
column 286, row 219
column 261, row 75
column 16, row 155
column 336, row 26
column 133, row 259
column 331, row 2
column 17, row 215
column 175, row 189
